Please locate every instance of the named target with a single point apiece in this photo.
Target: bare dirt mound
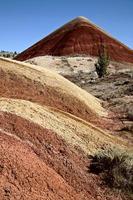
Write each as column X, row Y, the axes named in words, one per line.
column 29, row 82
column 44, row 144
column 79, row 36
column 49, row 158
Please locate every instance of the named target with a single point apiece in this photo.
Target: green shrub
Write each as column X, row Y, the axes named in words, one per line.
column 115, row 168
column 102, row 64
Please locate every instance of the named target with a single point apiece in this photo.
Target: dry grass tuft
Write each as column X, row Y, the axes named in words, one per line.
column 115, row 166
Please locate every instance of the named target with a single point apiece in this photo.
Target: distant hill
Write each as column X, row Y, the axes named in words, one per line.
column 82, row 37
column 8, row 54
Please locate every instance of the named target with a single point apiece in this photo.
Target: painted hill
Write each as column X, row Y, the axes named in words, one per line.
column 48, row 127
column 37, row 84
column 79, row 36
column 44, row 153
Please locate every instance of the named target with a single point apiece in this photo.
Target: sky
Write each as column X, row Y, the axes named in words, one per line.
column 24, row 22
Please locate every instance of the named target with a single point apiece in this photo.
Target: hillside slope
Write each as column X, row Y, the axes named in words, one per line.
column 37, row 84
column 79, row 36
column 46, row 139
column 44, row 153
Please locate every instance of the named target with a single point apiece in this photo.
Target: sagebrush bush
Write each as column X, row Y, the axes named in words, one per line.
column 115, row 168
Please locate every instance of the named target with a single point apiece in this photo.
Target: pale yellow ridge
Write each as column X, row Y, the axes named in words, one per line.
column 73, row 130
column 52, row 79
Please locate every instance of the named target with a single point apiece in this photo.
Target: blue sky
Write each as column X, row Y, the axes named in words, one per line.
column 24, row 22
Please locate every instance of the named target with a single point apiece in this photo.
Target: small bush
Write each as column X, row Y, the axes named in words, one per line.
column 115, row 168
column 102, row 64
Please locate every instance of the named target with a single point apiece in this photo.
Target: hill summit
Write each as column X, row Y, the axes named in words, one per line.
column 79, row 36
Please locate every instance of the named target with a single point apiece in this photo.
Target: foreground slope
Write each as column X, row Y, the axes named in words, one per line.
column 44, row 153
column 74, row 130
column 79, row 36
column 44, row 144
column 34, row 83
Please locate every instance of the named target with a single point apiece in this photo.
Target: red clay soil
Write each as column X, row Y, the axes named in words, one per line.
column 23, row 175
column 79, row 36
column 35, row 163
column 15, row 86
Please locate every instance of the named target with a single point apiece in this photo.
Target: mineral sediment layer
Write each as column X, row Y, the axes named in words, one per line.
column 82, row 37
column 48, row 127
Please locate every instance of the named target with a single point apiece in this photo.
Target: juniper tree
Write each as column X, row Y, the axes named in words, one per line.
column 102, row 64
